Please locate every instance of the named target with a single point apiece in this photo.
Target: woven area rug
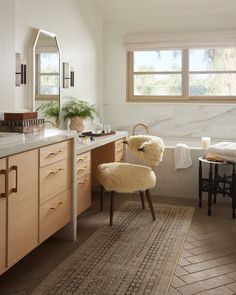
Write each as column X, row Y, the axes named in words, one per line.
column 134, row 256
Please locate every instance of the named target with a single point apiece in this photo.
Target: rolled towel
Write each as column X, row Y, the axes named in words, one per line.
column 182, row 156
column 223, row 148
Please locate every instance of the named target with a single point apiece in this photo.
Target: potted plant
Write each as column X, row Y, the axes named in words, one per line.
column 50, row 110
column 77, row 111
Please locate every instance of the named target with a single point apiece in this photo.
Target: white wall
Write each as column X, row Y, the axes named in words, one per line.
column 79, row 29
column 164, row 119
column 7, row 55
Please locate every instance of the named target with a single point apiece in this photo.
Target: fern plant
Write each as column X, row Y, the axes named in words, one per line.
column 78, row 108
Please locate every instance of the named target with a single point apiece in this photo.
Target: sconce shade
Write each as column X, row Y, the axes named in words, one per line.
column 68, row 76
column 20, row 71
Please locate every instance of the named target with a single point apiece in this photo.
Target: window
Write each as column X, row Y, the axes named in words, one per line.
column 47, row 76
column 207, row 74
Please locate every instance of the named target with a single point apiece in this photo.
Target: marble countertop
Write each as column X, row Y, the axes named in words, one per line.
column 49, row 136
column 34, row 140
column 85, row 144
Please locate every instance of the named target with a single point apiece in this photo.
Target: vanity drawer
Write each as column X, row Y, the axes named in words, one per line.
column 54, row 152
column 119, row 150
column 83, row 158
column 83, row 193
column 83, row 169
column 119, row 155
column 119, row 144
column 54, row 214
column 54, row 179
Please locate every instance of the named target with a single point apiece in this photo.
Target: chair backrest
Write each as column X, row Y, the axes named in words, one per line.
column 148, row 148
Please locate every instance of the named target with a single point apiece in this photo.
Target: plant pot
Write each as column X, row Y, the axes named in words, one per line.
column 77, row 123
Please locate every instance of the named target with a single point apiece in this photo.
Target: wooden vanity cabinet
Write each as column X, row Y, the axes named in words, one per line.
column 111, row 152
column 3, row 213
column 83, row 182
column 55, row 184
column 22, row 204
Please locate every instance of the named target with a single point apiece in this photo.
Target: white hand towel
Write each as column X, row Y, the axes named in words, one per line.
column 224, row 149
column 182, row 156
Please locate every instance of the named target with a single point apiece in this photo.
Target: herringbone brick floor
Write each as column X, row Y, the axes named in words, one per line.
column 207, row 264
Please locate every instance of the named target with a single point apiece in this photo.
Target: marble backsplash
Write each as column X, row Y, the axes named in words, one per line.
column 175, row 120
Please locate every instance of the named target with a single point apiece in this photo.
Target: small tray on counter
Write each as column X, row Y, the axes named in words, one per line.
column 90, row 133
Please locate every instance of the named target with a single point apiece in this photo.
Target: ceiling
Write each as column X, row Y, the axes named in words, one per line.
column 151, row 9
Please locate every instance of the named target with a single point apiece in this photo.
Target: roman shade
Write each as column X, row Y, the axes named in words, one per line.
column 184, row 40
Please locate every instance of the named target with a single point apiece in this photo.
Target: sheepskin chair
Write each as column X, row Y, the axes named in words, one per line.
column 129, row 178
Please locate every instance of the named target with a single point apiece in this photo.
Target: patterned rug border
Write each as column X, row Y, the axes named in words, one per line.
column 59, row 271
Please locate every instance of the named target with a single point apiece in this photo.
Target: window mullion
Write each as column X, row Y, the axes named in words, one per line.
column 185, row 73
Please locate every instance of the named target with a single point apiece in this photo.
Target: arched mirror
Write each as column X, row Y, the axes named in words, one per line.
column 46, row 72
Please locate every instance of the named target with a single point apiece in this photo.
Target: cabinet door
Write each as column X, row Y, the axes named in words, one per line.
column 2, row 215
column 22, row 204
column 83, row 193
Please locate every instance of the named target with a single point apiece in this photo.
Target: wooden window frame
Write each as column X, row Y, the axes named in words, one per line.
column 130, row 97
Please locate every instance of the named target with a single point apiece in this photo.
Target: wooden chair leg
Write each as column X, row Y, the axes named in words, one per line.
column 150, row 204
column 101, row 197
column 111, row 207
column 142, row 199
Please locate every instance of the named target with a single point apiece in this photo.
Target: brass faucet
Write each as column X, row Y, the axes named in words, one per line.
column 140, row 124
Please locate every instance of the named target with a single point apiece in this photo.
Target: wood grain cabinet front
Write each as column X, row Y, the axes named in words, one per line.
column 83, row 182
column 111, row 152
column 22, row 205
column 55, row 188
column 119, row 150
column 54, row 179
column 54, row 214
column 54, row 152
column 3, row 213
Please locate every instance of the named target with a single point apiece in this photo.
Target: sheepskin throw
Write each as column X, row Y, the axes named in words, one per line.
column 148, row 148
column 125, row 177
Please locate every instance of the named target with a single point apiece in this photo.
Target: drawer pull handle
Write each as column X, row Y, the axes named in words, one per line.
column 53, row 154
column 82, row 169
column 55, row 207
column 119, row 152
column 82, row 159
column 4, row 172
column 15, row 189
column 82, row 182
column 52, row 173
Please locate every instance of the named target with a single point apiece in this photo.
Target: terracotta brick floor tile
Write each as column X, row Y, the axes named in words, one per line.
column 232, row 286
column 180, row 271
column 188, row 246
column 183, row 262
column 185, row 253
column 201, row 286
column 217, row 291
column 232, row 275
column 212, row 255
column 177, row 282
column 207, row 264
column 206, row 274
column 173, row 291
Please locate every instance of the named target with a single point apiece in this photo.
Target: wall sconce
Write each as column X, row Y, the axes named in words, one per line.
column 20, row 71
column 68, row 76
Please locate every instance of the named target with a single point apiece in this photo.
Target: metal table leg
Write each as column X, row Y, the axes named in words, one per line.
column 200, row 184
column 210, row 189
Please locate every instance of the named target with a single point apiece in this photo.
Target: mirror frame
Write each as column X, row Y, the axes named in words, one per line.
column 32, row 83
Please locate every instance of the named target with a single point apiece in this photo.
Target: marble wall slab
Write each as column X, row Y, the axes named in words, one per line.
column 175, row 120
